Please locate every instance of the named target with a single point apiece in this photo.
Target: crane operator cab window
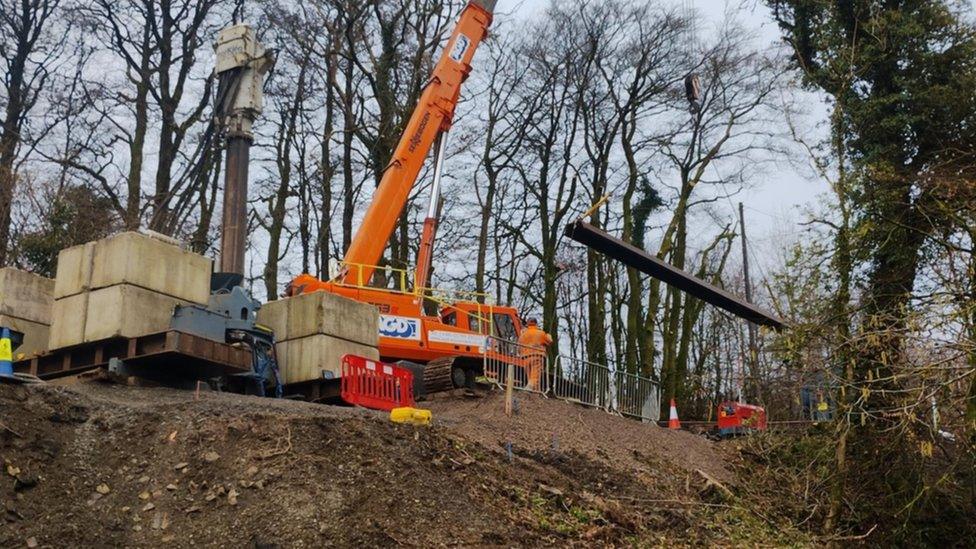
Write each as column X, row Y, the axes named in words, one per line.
column 504, row 326
column 450, row 319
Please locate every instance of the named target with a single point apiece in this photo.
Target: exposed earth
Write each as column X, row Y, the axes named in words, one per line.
column 97, row 464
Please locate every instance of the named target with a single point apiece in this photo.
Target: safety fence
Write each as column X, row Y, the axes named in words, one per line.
column 528, row 365
column 637, row 397
column 572, row 379
column 374, row 384
column 583, row 382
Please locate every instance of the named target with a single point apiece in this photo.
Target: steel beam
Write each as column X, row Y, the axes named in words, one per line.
column 637, row 258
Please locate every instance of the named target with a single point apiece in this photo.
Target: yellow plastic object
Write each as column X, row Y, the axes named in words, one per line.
column 6, row 353
column 413, row 416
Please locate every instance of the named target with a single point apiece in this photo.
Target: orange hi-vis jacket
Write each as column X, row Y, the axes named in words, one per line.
column 535, row 337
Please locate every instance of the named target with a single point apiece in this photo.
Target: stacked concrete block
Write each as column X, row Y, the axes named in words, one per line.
column 315, row 330
column 126, row 285
column 25, row 306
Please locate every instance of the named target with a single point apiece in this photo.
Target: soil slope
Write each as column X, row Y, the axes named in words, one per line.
column 109, row 465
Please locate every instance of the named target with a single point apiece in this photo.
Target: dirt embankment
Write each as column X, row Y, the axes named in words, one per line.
column 540, row 424
column 105, row 465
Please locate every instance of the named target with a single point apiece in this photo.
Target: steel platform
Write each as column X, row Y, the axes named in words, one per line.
column 169, row 355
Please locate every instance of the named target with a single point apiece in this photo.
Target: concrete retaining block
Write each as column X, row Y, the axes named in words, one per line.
column 68, row 317
column 26, row 296
column 122, row 310
column 321, row 313
column 134, row 259
column 306, row 358
column 128, row 311
column 74, row 270
column 35, row 335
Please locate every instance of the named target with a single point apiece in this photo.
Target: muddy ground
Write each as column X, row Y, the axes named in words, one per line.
column 98, row 464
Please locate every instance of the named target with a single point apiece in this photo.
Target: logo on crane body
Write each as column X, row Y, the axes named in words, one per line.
column 460, row 47
column 415, row 138
column 400, row 327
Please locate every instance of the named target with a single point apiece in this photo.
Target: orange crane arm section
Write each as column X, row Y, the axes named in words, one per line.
column 433, row 114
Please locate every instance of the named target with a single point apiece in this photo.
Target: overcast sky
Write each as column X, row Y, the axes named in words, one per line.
column 780, row 192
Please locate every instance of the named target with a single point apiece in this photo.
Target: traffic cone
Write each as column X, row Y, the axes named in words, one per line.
column 6, row 353
column 673, row 422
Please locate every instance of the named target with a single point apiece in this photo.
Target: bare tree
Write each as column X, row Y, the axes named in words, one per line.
column 505, row 125
column 29, row 45
column 726, row 129
column 154, row 109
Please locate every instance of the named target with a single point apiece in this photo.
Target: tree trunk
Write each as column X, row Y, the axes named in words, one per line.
column 672, row 373
column 133, row 199
column 8, row 178
column 633, row 358
column 971, row 356
column 12, row 123
column 207, row 201
column 348, row 134
column 327, row 169
column 286, row 138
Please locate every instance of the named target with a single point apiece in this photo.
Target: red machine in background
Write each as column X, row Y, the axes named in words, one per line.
column 735, row 418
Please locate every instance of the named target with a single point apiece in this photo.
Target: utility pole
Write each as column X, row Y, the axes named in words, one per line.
column 241, row 64
column 753, row 359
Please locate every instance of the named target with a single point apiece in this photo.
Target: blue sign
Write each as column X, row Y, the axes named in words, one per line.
column 399, row 327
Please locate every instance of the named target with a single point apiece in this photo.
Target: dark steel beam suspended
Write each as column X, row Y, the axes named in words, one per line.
column 637, row 258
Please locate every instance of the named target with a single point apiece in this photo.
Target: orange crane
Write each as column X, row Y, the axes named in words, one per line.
column 452, row 344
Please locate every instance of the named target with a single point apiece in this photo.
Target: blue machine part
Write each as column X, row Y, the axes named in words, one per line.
column 9, row 340
column 231, row 317
column 264, row 361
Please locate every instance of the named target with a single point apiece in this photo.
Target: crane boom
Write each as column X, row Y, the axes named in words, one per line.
column 432, row 116
column 453, row 342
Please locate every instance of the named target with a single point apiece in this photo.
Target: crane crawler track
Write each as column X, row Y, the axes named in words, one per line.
column 440, row 374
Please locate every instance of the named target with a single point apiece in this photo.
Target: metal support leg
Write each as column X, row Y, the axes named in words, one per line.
column 117, row 367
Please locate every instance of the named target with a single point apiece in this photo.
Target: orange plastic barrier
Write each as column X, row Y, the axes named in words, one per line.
column 377, row 385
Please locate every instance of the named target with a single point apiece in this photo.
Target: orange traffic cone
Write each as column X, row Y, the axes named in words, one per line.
column 673, row 422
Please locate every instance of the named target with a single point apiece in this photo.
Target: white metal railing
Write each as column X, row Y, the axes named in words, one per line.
column 583, row 382
column 572, row 379
column 637, row 397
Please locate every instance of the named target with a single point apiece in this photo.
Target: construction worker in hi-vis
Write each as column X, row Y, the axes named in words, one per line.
column 534, row 341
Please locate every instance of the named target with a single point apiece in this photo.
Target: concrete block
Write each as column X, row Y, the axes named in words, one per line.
column 68, row 321
column 306, row 358
column 122, row 310
column 127, row 311
column 35, row 335
column 140, row 260
column 135, row 259
column 26, row 295
column 321, row 313
column 74, row 270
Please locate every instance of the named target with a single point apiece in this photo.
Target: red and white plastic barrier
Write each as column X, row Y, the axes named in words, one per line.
column 373, row 384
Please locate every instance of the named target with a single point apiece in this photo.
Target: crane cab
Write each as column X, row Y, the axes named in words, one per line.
column 491, row 320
